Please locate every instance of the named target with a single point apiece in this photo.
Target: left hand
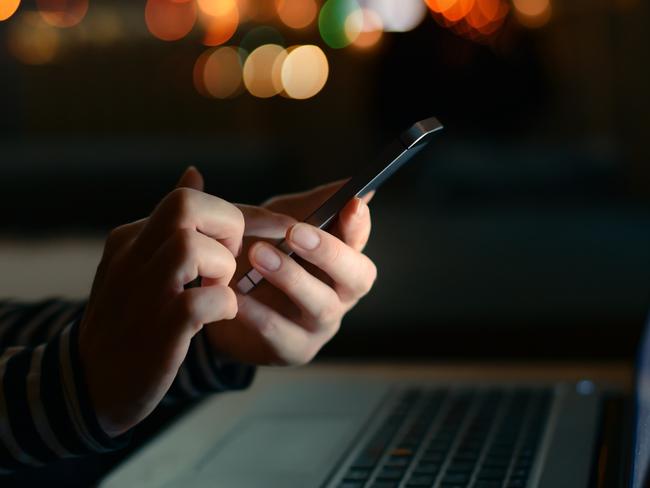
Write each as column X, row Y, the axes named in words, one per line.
column 299, row 306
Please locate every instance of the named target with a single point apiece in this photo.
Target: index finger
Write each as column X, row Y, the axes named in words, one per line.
column 185, row 208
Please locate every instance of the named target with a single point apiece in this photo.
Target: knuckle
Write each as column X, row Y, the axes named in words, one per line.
column 371, row 276
column 328, row 315
column 179, row 202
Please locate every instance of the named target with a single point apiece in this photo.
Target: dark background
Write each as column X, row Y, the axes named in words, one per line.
column 524, row 230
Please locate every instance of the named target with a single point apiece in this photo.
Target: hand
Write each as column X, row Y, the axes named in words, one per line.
column 139, row 320
column 287, row 318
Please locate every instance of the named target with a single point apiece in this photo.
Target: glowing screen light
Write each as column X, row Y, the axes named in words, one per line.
column 31, row 40
column 297, row 14
column 218, row 72
column 170, row 20
column 331, row 22
column 304, row 72
column 62, row 13
column 532, row 13
column 8, row 8
column 259, row 71
column 220, row 19
column 398, row 16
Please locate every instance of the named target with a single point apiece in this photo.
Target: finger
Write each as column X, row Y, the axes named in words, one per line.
column 318, row 301
column 352, row 272
column 191, row 178
column 261, row 222
column 301, row 205
column 122, row 236
column 188, row 254
column 354, row 225
column 185, row 208
column 197, row 306
column 287, row 342
column 368, row 196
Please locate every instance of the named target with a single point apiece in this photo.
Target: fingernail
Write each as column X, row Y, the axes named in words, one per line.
column 267, row 258
column 358, row 212
column 305, row 236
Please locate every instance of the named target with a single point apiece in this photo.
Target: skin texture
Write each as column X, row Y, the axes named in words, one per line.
column 140, row 311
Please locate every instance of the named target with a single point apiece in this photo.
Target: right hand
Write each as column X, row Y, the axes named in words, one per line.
column 140, row 319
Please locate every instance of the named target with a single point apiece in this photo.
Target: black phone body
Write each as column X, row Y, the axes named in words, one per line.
column 409, row 143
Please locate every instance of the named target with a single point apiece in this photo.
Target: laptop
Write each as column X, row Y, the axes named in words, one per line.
column 339, row 431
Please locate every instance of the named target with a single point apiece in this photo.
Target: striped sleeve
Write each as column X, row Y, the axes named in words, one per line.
column 45, row 411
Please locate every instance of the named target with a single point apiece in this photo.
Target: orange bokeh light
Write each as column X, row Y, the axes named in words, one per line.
column 62, row 13
column 8, row 8
column 458, row 10
column 220, row 28
column 297, row 14
column 170, row 20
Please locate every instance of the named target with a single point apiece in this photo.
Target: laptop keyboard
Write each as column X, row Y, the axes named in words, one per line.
column 454, row 439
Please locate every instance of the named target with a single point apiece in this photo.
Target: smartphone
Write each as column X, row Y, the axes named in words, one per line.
column 407, row 145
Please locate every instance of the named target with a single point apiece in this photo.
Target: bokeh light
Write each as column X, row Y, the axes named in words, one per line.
column 170, row 20
column 220, row 19
column 532, row 13
column 31, row 40
column 8, row 8
column 473, row 19
column 331, row 22
column 398, row 16
column 218, row 72
column 62, row 13
column 304, row 72
column 259, row 70
column 259, row 10
column 364, row 27
column 297, row 14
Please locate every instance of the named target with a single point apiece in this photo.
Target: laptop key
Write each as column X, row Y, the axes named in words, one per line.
column 454, row 478
column 355, row 474
column 420, row 480
column 352, row 484
column 487, row 484
column 385, row 484
column 391, row 473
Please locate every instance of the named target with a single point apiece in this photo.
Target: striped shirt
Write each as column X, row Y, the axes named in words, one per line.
column 45, row 410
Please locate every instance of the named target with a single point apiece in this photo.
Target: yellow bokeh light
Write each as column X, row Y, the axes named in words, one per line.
column 304, row 72
column 364, row 27
column 170, row 20
column 259, row 70
column 297, row 14
column 62, row 13
column 8, row 8
column 532, row 13
column 31, row 40
column 218, row 72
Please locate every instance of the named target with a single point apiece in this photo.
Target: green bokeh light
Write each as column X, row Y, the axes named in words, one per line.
column 331, row 21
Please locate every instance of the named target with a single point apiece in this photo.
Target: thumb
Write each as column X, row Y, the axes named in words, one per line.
column 191, row 178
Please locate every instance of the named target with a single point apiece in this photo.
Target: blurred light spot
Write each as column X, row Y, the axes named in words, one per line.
column 532, row 13
column 62, row 13
column 260, row 36
column 216, row 8
column 103, row 26
column 260, row 10
column 31, row 40
column 331, row 21
column 218, row 72
column 170, row 20
column 458, row 10
column 297, row 14
column 398, row 16
column 440, row 6
column 304, row 72
column 364, row 27
column 258, row 71
column 222, row 24
column 8, row 8
column 483, row 13
column 585, row 387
